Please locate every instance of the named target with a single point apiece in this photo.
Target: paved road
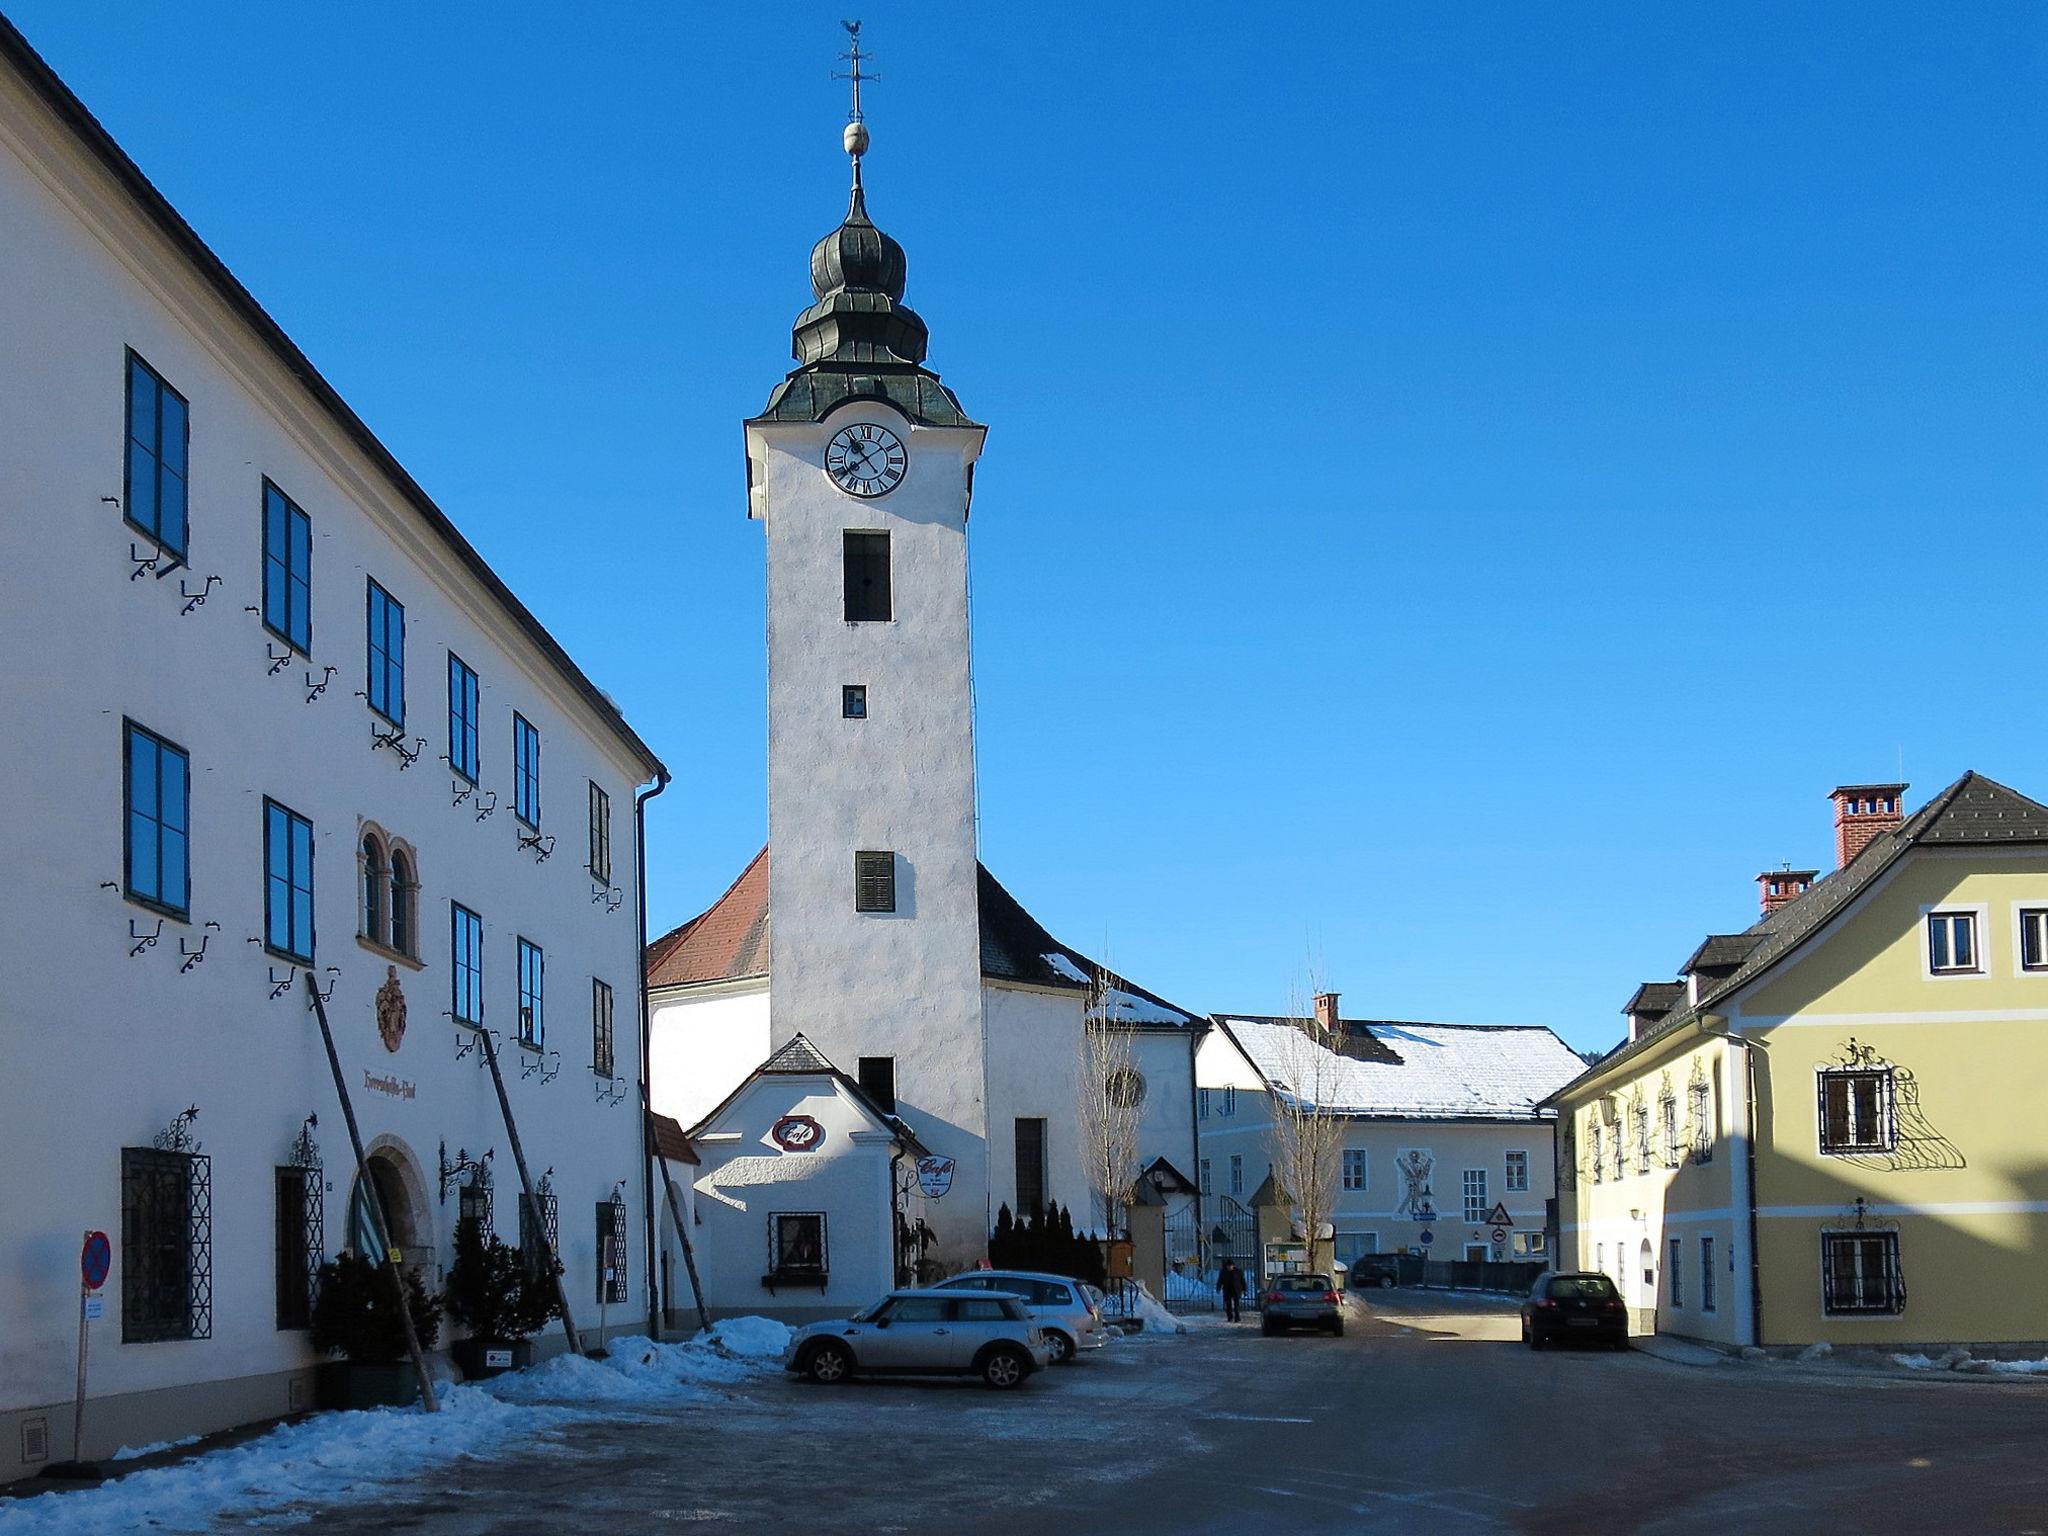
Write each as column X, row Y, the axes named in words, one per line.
column 1425, row 1418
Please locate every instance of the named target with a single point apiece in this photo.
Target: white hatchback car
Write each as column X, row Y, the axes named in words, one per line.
column 924, row 1333
column 1061, row 1306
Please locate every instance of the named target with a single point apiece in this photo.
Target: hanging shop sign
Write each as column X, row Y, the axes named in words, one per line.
column 934, row 1175
column 797, row 1133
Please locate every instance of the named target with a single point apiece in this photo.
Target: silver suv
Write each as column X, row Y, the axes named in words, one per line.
column 1060, row 1306
column 924, row 1333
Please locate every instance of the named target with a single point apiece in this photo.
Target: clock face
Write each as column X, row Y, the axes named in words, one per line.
column 866, row 460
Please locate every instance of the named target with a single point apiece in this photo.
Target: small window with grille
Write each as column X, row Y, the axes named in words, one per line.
column 874, row 881
column 299, row 1226
column 601, row 1061
column 1856, row 1110
column 1860, row 1273
column 166, row 1245
column 611, row 1251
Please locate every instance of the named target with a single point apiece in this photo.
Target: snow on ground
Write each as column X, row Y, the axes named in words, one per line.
column 337, row 1456
column 1960, row 1360
column 131, row 1452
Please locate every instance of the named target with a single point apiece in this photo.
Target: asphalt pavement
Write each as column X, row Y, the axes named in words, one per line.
column 1427, row 1417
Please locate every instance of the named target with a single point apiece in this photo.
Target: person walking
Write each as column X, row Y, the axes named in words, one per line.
column 1231, row 1283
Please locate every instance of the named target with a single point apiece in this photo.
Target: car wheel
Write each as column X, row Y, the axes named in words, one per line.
column 1061, row 1346
column 829, row 1364
column 1268, row 1327
column 1004, row 1369
column 1386, row 1282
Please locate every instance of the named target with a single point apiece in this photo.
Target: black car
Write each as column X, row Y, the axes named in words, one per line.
column 1380, row 1269
column 1575, row 1305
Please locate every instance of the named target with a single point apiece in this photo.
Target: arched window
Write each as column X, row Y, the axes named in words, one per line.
column 404, row 903
column 375, row 883
column 1125, row 1088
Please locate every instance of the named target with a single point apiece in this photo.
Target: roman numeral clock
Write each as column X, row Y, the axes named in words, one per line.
column 863, row 459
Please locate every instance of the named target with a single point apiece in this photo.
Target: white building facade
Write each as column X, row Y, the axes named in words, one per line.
column 1446, row 1153
column 890, row 948
column 271, row 720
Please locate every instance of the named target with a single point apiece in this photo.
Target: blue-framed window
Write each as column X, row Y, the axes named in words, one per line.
column 525, row 771
column 157, row 789
column 466, row 955
column 287, row 882
column 159, row 444
column 462, row 735
column 532, row 974
column 387, row 655
column 287, row 570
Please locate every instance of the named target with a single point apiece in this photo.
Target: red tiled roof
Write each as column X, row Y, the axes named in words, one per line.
column 728, row 942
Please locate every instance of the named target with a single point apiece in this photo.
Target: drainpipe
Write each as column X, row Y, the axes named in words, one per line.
column 1754, row 1332
column 640, row 800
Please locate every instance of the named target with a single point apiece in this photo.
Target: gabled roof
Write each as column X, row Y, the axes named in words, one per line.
column 730, row 943
column 156, row 210
column 1424, row 1071
column 1972, row 812
column 799, row 1058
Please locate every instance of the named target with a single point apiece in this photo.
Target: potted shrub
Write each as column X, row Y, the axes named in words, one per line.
column 502, row 1300
column 356, row 1316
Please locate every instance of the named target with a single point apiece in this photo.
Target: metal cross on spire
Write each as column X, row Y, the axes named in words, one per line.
column 852, row 59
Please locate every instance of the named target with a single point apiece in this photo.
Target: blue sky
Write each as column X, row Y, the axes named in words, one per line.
column 1463, row 482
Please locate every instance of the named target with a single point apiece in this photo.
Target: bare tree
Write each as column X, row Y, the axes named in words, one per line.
column 1306, row 1137
column 1111, row 1094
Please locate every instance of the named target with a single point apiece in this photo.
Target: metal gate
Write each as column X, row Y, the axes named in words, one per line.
column 1198, row 1244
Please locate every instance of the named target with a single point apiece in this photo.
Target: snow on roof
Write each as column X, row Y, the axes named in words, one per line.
column 1485, row 1072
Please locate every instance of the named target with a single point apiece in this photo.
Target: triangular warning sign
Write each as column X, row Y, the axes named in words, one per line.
column 1498, row 1216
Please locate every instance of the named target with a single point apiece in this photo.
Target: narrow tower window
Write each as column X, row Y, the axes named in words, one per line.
column 867, row 577
column 874, row 881
column 853, row 701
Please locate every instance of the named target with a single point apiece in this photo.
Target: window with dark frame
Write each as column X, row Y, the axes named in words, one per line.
column 463, row 755
column 1860, row 1274
column 532, row 978
column 1952, row 942
column 466, row 963
column 297, row 1262
column 611, row 1252
column 166, row 1245
column 600, row 834
column 386, row 654
column 287, row 883
column 1702, row 1122
column 1354, row 1167
column 1236, row 1173
column 601, row 1029
column 1030, row 1148
column 1667, row 1111
column 1206, row 1180
column 157, row 791
column 287, row 570
column 867, row 577
column 853, row 701
column 877, row 1076
column 525, row 771
column 796, row 1246
column 405, row 891
column 1856, row 1106
column 874, row 881
column 2034, row 938
column 1706, row 1274
column 153, row 496
column 1674, row 1273
column 539, row 1233
column 1516, row 1171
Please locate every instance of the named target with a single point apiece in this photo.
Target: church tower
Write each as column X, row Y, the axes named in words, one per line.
column 860, row 470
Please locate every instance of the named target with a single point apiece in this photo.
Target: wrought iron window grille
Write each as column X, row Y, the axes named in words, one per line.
column 612, row 1249
column 472, row 1177
column 167, row 1237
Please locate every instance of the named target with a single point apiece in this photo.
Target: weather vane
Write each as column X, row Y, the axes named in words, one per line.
column 856, row 136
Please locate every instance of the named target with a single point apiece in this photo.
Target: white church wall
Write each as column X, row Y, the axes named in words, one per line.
column 1167, row 1124
column 746, row 1178
column 703, row 1041
column 1035, row 1071
column 907, row 983
column 107, row 1047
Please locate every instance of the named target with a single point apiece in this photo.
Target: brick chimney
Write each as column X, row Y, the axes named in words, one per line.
column 1326, row 1012
column 1864, row 812
column 1780, row 886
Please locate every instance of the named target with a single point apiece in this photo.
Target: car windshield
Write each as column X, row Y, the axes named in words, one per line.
column 867, row 1313
column 1301, row 1283
column 1581, row 1288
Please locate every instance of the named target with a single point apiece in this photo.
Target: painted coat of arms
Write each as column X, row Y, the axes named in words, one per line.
column 391, row 1010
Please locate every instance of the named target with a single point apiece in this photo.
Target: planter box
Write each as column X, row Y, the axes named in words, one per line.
column 359, row 1384
column 479, row 1358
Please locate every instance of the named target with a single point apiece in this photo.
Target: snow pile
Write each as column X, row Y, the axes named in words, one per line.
column 1947, row 1360
column 2015, row 1367
column 329, row 1457
column 1148, row 1311
column 1820, row 1349
column 132, row 1452
column 639, row 1370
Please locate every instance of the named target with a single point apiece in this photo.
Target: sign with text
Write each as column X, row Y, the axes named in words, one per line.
column 934, row 1175
column 797, row 1133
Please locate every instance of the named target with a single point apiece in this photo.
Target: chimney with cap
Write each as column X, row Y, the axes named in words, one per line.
column 1780, row 886
column 1326, row 1012
column 1863, row 813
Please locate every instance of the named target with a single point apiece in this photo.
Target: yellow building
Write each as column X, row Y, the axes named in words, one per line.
column 1831, row 1126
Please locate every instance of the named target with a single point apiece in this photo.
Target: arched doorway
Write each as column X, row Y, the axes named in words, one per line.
column 411, row 1228
column 1647, row 1268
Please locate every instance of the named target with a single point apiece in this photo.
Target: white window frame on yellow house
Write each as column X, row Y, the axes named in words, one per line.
column 1887, row 1130
column 2021, row 911
column 1894, row 1284
column 1979, row 915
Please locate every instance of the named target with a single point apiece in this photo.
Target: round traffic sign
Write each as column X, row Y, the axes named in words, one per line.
column 1428, row 1238
column 1500, row 1234
column 95, row 1259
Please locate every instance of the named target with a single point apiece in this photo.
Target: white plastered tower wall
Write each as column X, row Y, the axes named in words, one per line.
column 906, row 983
